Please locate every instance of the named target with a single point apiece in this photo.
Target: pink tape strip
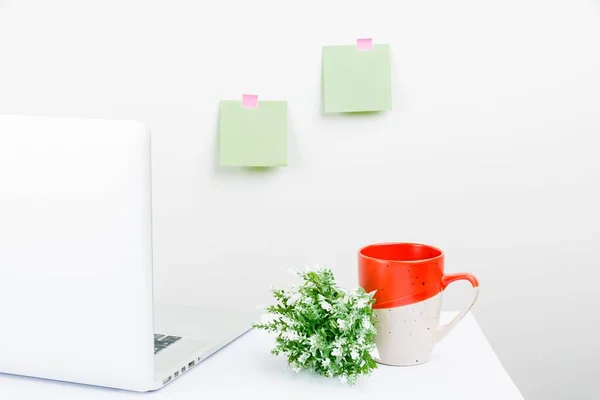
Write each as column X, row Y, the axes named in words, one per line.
column 250, row 101
column 364, row 44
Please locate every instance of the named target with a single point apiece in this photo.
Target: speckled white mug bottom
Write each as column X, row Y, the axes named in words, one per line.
column 406, row 335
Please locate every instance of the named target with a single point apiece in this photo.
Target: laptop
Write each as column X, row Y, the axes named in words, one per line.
column 76, row 285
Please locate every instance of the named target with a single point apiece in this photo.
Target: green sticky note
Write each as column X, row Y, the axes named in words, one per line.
column 253, row 137
column 357, row 81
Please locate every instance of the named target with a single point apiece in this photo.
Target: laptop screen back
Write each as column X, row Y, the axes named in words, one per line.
column 76, row 251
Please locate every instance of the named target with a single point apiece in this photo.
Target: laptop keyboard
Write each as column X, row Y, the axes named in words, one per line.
column 161, row 342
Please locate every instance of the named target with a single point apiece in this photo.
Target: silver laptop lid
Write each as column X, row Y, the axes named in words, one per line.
column 76, row 251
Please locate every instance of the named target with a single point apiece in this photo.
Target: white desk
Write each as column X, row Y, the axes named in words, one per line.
column 463, row 367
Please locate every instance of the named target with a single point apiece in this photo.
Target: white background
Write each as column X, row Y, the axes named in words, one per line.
column 490, row 152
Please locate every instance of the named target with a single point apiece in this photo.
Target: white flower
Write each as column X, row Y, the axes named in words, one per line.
column 341, row 323
column 312, row 341
column 366, row 323
column 354, row 354
column 326, row 306
column 346, row 299
column 308, row 300
column 302, row 359
column 325, row 363
column 290, row 335
column 294, row 368
column 294, row 297
column 374, row 352
column 360, row 303
column 360, row 340
column 337, row 352
column 343, row 379
column 292, row 271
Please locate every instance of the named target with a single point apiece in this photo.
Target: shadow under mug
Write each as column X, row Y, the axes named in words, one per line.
column 409, row 280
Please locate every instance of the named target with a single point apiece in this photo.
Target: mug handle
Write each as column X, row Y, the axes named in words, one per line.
column 448, row 279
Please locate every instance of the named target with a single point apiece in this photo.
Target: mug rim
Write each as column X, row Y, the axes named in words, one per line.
column 361, row 254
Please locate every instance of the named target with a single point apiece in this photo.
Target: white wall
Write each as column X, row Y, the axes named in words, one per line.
column 490, row 152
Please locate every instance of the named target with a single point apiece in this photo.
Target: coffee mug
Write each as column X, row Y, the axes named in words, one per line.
column 408, row 280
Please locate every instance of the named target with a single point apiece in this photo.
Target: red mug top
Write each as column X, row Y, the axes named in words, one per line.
column 400, row 273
